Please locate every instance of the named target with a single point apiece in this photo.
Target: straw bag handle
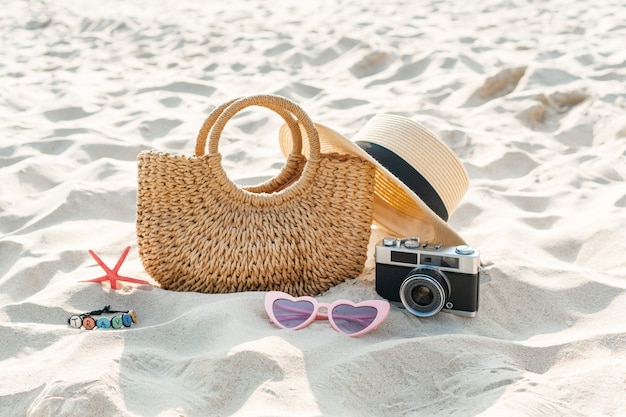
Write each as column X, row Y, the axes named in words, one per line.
column 304, row 122
column 276, row 103
column 210, row 121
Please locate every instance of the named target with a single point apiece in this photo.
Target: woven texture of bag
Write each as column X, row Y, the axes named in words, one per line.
column 301, row 232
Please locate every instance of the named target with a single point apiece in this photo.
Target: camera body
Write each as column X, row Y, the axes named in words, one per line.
column 426, row 279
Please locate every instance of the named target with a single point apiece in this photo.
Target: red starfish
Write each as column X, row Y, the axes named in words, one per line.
column 112, row 274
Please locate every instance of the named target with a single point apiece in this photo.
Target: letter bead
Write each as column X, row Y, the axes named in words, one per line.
column 75, row 321
column 116, row 322
column 127, row 320
column 103, row 323
column 89, row 323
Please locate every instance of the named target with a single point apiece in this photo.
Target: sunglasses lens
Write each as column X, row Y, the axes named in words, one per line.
column 353, row 319
column 292, row 313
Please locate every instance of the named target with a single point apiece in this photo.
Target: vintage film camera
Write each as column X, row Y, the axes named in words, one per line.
column 426, row 279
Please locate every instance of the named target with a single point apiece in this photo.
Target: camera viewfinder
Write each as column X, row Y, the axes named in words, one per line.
column 404, row 257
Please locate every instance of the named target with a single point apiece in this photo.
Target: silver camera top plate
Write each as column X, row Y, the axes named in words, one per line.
column 461, row 259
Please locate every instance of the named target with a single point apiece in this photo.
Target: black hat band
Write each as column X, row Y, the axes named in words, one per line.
column 407, row 174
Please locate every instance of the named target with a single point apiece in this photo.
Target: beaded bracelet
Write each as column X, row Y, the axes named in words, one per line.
column 85, row 320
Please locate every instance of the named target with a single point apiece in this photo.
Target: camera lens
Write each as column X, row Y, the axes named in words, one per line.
column 424, row 291
column 422, row 295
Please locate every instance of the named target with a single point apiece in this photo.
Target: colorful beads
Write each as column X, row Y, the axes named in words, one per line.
column 89, row 323
column 127, row 320
column 116, row 322
column 86, row 320
column 103, row 323
column 75, row 321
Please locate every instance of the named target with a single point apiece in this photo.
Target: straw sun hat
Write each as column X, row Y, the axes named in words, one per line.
column 419, row 179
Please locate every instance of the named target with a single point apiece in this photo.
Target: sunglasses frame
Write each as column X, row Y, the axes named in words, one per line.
column 382, row 310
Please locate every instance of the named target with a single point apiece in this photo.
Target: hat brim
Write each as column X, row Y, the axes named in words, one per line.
column 397, row 209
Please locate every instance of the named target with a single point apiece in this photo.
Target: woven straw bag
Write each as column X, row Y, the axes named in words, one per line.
column 301, row 232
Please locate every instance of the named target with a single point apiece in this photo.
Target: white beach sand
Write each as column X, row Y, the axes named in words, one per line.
column 531, row 96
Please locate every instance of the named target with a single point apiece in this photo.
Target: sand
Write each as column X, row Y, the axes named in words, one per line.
column 530, row 95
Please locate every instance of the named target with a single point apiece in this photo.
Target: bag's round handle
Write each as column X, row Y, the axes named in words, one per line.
column 209, row 122
column 272, row 102
column 280, row 105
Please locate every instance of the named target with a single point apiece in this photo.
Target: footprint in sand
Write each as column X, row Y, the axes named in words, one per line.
column 371, row 64
column 406, row 71
column 541, row 222
column 546, row 114
column 496, row 86
column 158, row 128
column 67, row 113
column 513, row 164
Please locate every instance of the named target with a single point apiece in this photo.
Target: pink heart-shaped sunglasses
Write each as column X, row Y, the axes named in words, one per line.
column 351, row 319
